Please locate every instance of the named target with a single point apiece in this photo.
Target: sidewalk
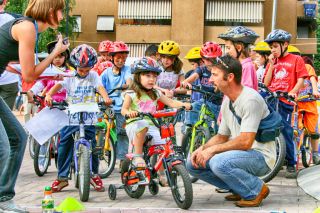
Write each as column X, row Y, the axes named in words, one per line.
column 285, row 196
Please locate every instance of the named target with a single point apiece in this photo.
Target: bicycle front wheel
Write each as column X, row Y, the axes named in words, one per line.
column 306, row 151
column 31, row 141
column 181, row 189
column 280, row 157
column 41, row 158
column 107, row 158
column 84, row 173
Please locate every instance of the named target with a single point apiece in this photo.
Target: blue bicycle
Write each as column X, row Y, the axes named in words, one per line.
column 81, row 166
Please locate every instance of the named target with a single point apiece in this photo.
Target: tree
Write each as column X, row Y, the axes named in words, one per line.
column 317, row 56
column 66, row 26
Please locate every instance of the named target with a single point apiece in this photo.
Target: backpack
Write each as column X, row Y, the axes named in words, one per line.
column 269, row 127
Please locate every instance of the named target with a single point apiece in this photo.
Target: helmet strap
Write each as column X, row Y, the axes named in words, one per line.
column 283, row 51
column 237, row 51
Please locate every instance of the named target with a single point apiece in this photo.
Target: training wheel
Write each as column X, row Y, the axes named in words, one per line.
column 112, row 192
column 153, row 187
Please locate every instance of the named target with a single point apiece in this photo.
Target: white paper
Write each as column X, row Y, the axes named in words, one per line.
column 83, row 107
column 46, row 124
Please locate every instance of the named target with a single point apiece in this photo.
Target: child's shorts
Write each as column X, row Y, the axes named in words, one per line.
column 310, row 115
column 136, row 126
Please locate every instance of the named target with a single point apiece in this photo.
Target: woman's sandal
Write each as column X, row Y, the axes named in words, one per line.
column 139, row 162
column 163, row 180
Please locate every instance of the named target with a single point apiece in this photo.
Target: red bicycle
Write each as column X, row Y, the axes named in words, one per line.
column 134, row 181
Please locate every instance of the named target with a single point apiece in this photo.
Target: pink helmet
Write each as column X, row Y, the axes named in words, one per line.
column 118, row 47
column 104, row 46
column 210, row 50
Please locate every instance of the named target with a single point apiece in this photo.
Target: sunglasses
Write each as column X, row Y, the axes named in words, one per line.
column 220, row 61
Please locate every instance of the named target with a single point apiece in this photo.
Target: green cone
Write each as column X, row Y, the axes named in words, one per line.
column 70, row 204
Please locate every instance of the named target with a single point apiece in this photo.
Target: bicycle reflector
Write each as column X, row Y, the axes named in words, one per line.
column 167, row 131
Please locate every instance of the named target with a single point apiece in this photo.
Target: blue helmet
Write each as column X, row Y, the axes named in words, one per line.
column 145, row 64
column 83, row 56
column 240, row 34
column 278, row 35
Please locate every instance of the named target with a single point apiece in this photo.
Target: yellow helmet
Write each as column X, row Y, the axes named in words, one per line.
column 293, row 49
column 194, row 53
column 262, row 46
column 169, row 48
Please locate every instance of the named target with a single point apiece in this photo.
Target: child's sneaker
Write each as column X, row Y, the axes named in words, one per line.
column 58, row 185
column 315, row 158
column 97, row 184
column 139, row 162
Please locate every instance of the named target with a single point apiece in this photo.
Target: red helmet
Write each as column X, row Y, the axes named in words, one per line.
column 104, row 46
column 118, row 47
column 210, row 50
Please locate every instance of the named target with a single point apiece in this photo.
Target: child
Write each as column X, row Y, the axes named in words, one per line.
column 238, row 40
column 119, row 75
column 143, row 98
column 263, row 51
column 59, row 63
column 80, row 89
column 104, row 61
column 285, row 72
column 209, row 52
column 309, row 107
column 172, row 74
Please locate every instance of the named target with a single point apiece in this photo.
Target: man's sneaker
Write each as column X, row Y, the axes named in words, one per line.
column 315, row 158
column 9, row 206
column 291, row 172
column 97, row 184
column 58, row 185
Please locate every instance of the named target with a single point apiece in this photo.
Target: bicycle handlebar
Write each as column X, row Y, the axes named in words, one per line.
column 198, row 88
column 160, row 114
column 123, row 87
column 59, row 105
column 276, row 94
column 37, row 99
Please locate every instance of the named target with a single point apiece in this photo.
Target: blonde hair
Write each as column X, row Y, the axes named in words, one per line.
column 40, row 10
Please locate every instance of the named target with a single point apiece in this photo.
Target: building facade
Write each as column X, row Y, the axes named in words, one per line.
column 190, row 22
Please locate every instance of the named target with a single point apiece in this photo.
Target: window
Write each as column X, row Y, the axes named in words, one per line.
column 105, row 23
column 77, row 28
column 234, row 11
column 145, row 12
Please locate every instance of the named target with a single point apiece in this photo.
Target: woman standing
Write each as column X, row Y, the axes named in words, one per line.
column 18, row 40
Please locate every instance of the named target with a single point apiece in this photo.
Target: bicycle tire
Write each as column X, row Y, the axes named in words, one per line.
column 108, row 158
column 306, row 151
column 39, row 169
column 133, row 193
column 184, row 201
column 31, row 141
column 84, row 173
column 281, row 154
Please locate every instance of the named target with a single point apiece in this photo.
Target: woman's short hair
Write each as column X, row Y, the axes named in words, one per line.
column 40, row 10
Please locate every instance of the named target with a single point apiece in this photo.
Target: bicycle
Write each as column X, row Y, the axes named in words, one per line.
column 134, row 181
column 106, row 136
column 39, row 101
column 201, row 131
column 272, row 99
column 301, row 135
column 81, row 166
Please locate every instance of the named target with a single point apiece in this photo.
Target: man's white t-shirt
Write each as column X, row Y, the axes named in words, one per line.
column 251, row 108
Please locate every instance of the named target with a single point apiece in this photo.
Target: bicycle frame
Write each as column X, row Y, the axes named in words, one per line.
column 82, row 141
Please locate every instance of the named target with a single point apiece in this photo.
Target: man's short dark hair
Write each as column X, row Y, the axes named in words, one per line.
column 229, row 64
column 151, row 50
column 1, row 2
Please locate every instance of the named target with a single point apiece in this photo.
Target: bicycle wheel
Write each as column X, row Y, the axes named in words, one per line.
column 84, row 173
column 31, row 141
column 134, row 190
column 182, row 191
column 107, row 159
column 281, row 154
column 41, row 158
column 306, row 151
